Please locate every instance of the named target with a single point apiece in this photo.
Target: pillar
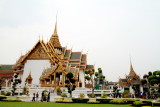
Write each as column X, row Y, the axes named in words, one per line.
column 62, row 78
column 55, row 79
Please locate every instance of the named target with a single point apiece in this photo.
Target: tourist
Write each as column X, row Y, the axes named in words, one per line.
column 48, row 98
column 42, row 97
column 34, row 95
column 37, row 96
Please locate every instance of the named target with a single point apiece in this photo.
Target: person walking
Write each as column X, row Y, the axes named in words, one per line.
column 34, row 95
column 37, row 96
column 42, row 97
column 48, row 97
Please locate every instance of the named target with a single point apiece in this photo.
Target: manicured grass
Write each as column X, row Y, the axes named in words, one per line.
column 51, row 104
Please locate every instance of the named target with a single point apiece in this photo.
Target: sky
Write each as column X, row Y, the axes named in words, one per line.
column 110, row 31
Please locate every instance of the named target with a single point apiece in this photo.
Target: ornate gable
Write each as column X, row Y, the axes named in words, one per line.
column 38, row 53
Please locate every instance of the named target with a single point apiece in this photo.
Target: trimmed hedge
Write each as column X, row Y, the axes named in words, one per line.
column 104, row 101
column 2, row 98
column 64, row 101
column 138, row 103
column 80, row 100
column 130, row 101
column 93, row 102
column 118, row 101
column 156, row 104
column 12, row 100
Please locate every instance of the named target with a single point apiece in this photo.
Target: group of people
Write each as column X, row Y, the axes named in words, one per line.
column 44, row 97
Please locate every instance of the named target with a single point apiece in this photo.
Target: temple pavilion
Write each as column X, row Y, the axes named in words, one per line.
column 131, row 83
column 47, row 64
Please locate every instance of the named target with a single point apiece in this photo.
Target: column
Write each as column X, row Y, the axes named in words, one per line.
column 50, row 82
column 62, row 79
column 55, row 79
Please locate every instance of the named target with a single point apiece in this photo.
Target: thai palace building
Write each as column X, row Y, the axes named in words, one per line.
column 47, row 64
column 131, row 83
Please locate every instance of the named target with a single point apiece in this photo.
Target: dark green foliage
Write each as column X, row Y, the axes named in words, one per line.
column 15, row 82
column 151, row 77
column 99, row 70
column 154, row 73
column 104, row 101
column 69, row 75
column 73, row 81
column 145, row 76
column 67, row 81
column 154, row 81
column 149, row 73
column 80, row 100
column 2, row 97
column 96, row 79
column 143, row 82
column 158, row 73
column 91, row 95
column 87, row 78
column 15, row 76
column 11, row 80
column 96, row 73
column 70, row 83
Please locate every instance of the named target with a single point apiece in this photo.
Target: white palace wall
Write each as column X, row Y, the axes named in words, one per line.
column 36, row 68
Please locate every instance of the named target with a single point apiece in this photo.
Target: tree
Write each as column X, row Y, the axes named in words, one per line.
column 15, row 81
column 89, row 76
column 158, row 79
column 116, row 91
column 151, row 79
column 0, row 84
column 100, row 77
column 70, row 83
column 94, row 78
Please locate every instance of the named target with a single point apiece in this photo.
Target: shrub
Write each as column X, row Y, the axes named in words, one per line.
column 118, row 101
column 138, row 103
column 93, row 102
column 81, row 95
column 158, row 95
column 104, row 95
column 80, row 100
column 126, row 94
column 58, row 90
column 8, row 93
column 2, row 97
column 12, row 100
column 147, row 103
column 64, row 101
column 104, row 101
column 90, row 95
column 3, row 93
column 130, row 101
column 156, row 104
column 63, row 95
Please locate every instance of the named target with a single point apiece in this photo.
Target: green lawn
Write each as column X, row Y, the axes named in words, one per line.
column 50, row 104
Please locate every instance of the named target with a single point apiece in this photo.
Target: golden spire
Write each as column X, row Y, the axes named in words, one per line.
column 55, row 29
column 54, row 40
column 132, row 73
column 29, row 76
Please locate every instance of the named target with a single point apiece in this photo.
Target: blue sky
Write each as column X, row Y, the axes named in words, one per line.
column 110, row 30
